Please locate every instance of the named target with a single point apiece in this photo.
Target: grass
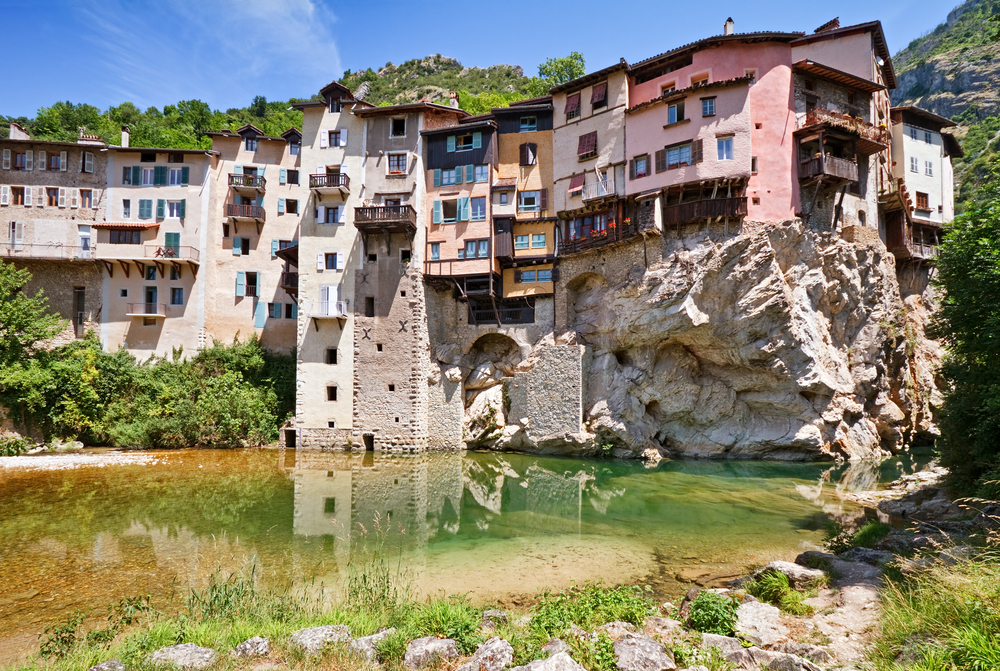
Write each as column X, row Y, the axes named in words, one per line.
column 868, row 536
column 774, row 588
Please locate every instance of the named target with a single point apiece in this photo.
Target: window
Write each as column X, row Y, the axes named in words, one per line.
column 725, row 148
column 481, row 173
column 503, row 198
column 331, row 356
column 123, row 293
column 927, row 137
column 529, row 124
column 698, row 80
column 177, row 295
column 809, row 86
column 293, row 148
column 370, row 310
column 17, row 195
column 450, row 177
column 147, row 157
column 708, row 106
column 175, row 209
column 640, row 166
column 449, row 211
column 928, row 168
column 544, row 276
column 331, row 395
column 334, row 138
column 668, row 88
column 250, row 143
column 392, row 387
column 52, row 197
column 86, row 198
column 291, row 206
column 127, row 176
column 292, row 177
column 529, row 153
column 176, row 157
column 435, row 251
column 914, row 164
column 527, row 276
column 19, row 160
column 335, row 106
column 528, row 201
column 55, row 161
column 538, row 241
column 150, row 273
column 861, row 217
column 586, row 148
column 126, row 209
column 572, row 106
column 675, row 113
column 850, row 97
column 331, row 215
column 330, row 261
column 599, row 96
column 123, row 236
column 923, row 201
column 397, row 127
column 463, row 142
column 397, row 164
column 251, row 286
column 478, row 206
column 225, row 230
column 404, row 258
column 475, row 249
column 752, row 74
column 753, row 165
column 175, row 177
column 913, row 133
column 175, row 273
column 148, row 176
column 520, row 242
column 274, row 310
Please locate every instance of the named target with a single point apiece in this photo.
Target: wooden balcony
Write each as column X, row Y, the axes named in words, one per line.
column 245, row 212
column 247, row 183
column 709, row 208
column 148, row 252
column 830, row 168
column 146, row 310
column 503, row 246
column 484, row 312
column 290, row 282
column 338, row 182
column 386, row 219
column 869, row 139
column 593, row 239
column 50, row 252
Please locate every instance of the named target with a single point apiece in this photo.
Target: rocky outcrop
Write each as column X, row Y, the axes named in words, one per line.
column 185, row 656
column 778, row 343
column 429, row 650
column 312, row 641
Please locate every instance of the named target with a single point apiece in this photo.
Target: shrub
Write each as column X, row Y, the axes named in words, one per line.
column 591, row 605
column 11, row 446
column 773, row 587
column 451, row 617
column 713, row 614
column 61, row 637
column 870, row 534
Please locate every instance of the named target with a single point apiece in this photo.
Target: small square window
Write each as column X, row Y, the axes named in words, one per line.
column 398, row 128
column 402, row 294
column 251, row 144
column 150, row 272
column 176, row 296
column 503, row 198
column 291, row 206
column 175, row 273
column 404, row 256
column 708, row 107
column 372, row 258
column 331, row 356
column 378, row 347
column 123, row 293
column 330, row 504
column 292, row 176
column 369, row 306
column 392, row 387
column 147, row 157
column 755, row 201
column 529, row 124
column 331, row 393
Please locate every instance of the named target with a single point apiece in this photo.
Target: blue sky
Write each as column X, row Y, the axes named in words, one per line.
column 156, row 52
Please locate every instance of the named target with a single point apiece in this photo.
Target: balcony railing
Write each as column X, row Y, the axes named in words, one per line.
column 326, row 309
column 696, row 210
column 255, row 182
column 839, row 168
column 108, row 251
column 290, row 281
column 245, row 211
column 845, row 122
column 598, row 189
column 394, row 218
column 591, row 239
column 172, row 253
column 337, row 180
column 21, row 250
column 146, row 309
column 481, row 312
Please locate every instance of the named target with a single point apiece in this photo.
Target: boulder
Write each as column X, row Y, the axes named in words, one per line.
column 560, row 661
column 312, row 641
column 492, row 618
column 813, row 558
column 957, row 554
column 367, row 646
column 661, row 626
column 813, row 653
column 495, row 654
column 727, row 645
column 449, row 353
column 751, row 658
column 798, row 575
column 186, row 656
column 485, row 375
column 868, row 556
column 555, row 645
column 252, row 647
column 110, row 665
column 423, row 652
column 617, row 630
column 760, row 623
column 641, row 653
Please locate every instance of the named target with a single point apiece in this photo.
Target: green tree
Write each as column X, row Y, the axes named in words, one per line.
column 24, row 320
column 557, row 71
column 969, row 324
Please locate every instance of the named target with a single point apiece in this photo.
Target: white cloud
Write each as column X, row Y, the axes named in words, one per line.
column 221, row 51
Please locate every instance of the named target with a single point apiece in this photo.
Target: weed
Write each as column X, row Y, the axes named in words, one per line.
column 451, row 617
column 774, row 588
column 713, row 614
column 870, row 534
column 591, row 605
column 594, row 654
column 689, row 653
column 61, row 637
column 11, row 446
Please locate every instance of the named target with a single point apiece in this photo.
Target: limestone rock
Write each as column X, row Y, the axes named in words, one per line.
column 727, row 645
column 494, row 617
column 641, row 653
column 813, row 653
column 661, row 627
column 867, row 555
column 760, row 623
column 555, row 645
column 312, row 641
column 485, row 419
column 453, row 375
column 485, row 375
column 617, row 630
column 422, row 652
column 110, row 665
column 186, row 656
column 449, row 353
column 367, row 646
column 252, row 647
column 751, row 658
column 560, row 661
column 495, row 654
column 799, row 576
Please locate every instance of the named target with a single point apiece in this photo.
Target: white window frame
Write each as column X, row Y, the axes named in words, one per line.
column 725, row 148
column 914, row 164
column 173, row 209
column 521, row 195
column 174, row 172
column 928, row 168
column 151, row 173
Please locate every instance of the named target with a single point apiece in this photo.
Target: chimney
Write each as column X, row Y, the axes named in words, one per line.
column 17, row 132
column 727, row 27
column 125, row 132
column 453, row 100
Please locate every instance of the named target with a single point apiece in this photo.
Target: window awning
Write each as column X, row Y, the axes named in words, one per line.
column 572, row 103
column 576, row 182
column 600, row 93
column 588, row 143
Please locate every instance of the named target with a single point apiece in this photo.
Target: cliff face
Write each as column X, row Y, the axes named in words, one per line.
column 778, row 343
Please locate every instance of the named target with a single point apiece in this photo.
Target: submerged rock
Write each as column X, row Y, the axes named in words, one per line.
column 422, row 652
column 186, row 656
column 312, row 641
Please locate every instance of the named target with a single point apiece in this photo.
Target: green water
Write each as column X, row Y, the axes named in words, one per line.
column 497, row 526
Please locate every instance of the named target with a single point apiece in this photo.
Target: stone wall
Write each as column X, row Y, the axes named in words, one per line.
column 549, row 396
column 59, row 281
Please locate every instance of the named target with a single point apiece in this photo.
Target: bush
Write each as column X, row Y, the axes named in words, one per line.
column 713, row 613
column 868, row 536
column 591, row 605
column 773, row 587
column 11, row 446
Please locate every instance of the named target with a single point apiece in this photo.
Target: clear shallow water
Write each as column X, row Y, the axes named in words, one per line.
column 496, row 526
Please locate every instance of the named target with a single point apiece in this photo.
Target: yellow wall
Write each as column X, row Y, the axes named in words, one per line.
column 513, row 290
column 546, row 227
column 529, row 177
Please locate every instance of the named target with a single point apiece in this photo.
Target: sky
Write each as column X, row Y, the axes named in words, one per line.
column 225, row 52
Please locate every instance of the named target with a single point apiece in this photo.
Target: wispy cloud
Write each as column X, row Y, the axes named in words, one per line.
column 221, row 51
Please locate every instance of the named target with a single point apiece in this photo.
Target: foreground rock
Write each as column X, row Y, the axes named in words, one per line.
column 492, row 619
column 186, row 656
column 252, row 647
column 555, row 645
column 641, row 653
column 760, row 623
column 617, row 630
column 495, row 654
column 661, row 627
column 560, row 661
column 800, row 577
column 110, row 665
column 367, row 646
column 312, row 641
column 423, row 652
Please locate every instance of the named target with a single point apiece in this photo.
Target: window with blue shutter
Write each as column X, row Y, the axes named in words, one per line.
column 463, row 209
column 241, row 282
column 458, row 175
column 283, row 176
column 451, row 143
column 437, row 177
column 237, row 245
column 295, row 311
column 477, row 140
column 281, row 206
column 160, row 175
column 172, row 242
column 260, row 315
column 275, row 245
column 185, row 176
column 161, row 208
column 182, row 208
column 260, row 172
column 136, row 175
column 437, row 212
column 237, row 169
column 146, row 208
column 470, row 175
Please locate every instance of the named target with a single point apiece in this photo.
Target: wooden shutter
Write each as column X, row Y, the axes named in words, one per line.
column 161, row 175
column 136, row 175
column 697, row 153
column 4, row 195
column 27, row 196
column 661, row 160
column 260, row 171
column 464, row 209
column 74, row 198
column 458, row 174
column 450, row 144
column 324, row 139
column 161, row 208
column 437, row 177
column 477, row 140
column 185, row 175
column 555, row 274
column 88, row 162
column 283, row 176
column 576, row 182
column 6, row 159
column 274, row 247
column 341, row 211
column 29, row 159
column 241, row 282
column 587, row 144
column 295, row 311
column 470, row 173
column 543, row 199
column 517, row 276
column 62, row 197
column 63, row 162
column 259, row 315
column 572, row 103
column 321, row 214
column 340, row 260
column 182, row 208
column 523, row 151
column 599, row 93
column 343, row 137
column 40, row 162
column 437, row 212
column 631, row 168
column 320, row 265
column 281, row 206
column 39, row 196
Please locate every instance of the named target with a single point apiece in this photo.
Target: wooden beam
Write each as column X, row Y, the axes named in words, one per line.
column 126, row 267
column 110, row 267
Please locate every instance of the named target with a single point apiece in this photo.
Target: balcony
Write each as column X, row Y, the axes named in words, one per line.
column 146, row 310
column 696, row 210
column 503, row 246
column 337, row 182
column 245, row 212
column 254, row 184
column 830, row 168
column 107, row 251
column 386, row 219
column 326, row 309
column 592, row 239
column 598, row 189
column 290, row 282
column 20, row 250
column 869, row 139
